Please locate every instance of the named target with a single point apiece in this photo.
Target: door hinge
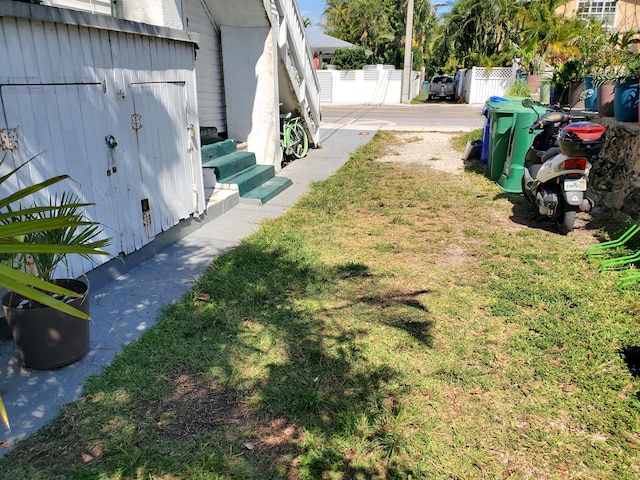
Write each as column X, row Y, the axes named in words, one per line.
column 9, row 138
column 136, row 121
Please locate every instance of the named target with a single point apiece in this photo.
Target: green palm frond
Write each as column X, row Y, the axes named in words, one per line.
column 47, row 233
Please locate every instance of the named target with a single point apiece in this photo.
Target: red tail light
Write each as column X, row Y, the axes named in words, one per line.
column 575, row 164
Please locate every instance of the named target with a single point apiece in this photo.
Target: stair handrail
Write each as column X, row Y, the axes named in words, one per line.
column 308, row 86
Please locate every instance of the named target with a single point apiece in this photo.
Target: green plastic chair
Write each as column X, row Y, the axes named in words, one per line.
column 627, row 281
column 619, row 263
column 600, row 249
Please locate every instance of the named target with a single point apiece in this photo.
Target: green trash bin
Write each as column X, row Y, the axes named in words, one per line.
column 425, row 87
column 500, row 126
column 511, row 177
column 509, row 140
column 545, row 91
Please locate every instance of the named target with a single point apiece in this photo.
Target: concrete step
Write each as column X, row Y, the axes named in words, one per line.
column 250, row 178
column 230, row 164
column 265, row 192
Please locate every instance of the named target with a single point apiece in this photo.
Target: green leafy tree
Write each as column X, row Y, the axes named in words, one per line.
column 350, row 58
column 494, row 32
column 379, row 26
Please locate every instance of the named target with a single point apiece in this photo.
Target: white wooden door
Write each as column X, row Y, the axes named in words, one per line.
column 62, row 129
column 168, row 186
column 326, row 86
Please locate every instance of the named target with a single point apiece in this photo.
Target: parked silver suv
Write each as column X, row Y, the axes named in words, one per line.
column 442, row 86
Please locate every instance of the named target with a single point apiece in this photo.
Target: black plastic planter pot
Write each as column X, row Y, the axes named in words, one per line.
column 49, row 339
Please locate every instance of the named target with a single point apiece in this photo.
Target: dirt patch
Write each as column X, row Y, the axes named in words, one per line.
column 430, row 148
column 197, row 407
column 435, row 150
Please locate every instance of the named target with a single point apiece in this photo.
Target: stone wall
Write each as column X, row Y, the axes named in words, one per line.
column 614, row 181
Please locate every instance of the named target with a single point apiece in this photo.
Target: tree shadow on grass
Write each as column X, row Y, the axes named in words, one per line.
column 631, row 356
column 246, row 365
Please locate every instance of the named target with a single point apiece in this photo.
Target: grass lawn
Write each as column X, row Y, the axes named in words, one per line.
column 397, row 323
column 419, row 99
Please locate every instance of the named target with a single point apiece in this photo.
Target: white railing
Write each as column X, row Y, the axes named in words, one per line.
column 297, row 57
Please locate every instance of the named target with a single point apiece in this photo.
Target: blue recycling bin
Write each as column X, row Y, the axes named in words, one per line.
column 484, row 152
column 486, row 134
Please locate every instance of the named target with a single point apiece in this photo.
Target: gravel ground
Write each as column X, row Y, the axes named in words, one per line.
column 429, row 148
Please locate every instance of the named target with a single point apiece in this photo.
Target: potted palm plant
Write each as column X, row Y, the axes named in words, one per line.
column 568, row 81
column 47, row 316
column 625, row 98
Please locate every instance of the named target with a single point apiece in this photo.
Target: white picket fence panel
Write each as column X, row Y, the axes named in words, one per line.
column 479, row 83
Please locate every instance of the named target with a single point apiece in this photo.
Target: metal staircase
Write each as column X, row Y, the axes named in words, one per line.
column 299, row 85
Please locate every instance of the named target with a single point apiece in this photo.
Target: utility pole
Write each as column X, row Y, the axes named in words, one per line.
column 408, row 43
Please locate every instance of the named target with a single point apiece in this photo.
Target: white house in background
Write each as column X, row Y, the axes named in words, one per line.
column 115, row 94
column 325, row 45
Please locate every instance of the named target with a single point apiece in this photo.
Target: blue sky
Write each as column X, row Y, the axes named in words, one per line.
column 312, row 9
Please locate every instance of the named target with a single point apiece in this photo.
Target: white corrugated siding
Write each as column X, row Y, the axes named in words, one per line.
column 65, row 88
column 325, row 78
column 211, row 105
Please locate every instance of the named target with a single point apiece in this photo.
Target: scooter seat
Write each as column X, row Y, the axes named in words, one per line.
column 552, row 152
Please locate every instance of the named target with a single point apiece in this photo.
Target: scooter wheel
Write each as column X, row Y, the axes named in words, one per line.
column 565, row 221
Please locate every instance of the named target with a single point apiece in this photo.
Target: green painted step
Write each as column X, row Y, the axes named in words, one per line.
column 230, row 164
column 250, row 178
column 265, row 192
column 218, row 149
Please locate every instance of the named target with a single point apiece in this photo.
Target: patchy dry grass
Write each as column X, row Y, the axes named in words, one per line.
column 399, row 322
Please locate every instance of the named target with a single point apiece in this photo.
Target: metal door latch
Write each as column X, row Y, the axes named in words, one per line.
column 136, row 121
column 111, row 141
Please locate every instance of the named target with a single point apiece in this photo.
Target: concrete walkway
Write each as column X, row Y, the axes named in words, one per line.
column 129, row 304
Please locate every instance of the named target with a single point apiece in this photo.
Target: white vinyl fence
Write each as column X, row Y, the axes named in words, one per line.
column 371, row 86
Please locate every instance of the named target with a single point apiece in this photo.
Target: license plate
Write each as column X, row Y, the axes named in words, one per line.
column 576, row 185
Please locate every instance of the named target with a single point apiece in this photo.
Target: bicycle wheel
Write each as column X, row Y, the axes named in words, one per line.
column 280, row 152
column 299, row 141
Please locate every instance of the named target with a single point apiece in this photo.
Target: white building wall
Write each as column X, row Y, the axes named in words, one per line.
column 251, row 89
column 165, row 13
column 211, row 107
column 101, row 7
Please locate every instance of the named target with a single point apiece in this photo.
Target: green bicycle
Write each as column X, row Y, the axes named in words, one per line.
column 293, row 138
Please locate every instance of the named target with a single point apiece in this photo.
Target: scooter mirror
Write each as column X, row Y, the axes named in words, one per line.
column 527, row 103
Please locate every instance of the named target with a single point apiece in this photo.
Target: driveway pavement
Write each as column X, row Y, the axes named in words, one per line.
column 124, row 307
